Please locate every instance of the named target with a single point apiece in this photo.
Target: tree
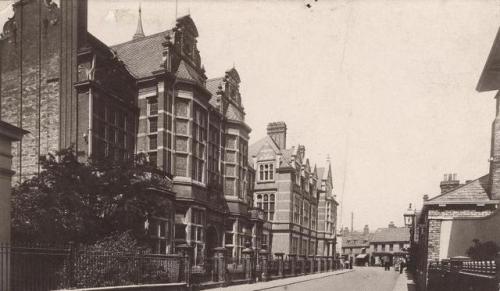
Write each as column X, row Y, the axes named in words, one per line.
column 87, row 201
column 482, row 251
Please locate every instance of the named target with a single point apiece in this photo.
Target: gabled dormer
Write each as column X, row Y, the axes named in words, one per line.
column 185, row 39
column 232, row 86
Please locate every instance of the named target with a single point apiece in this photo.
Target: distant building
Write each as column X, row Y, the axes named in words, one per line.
column 356, row 245
column 389, row 243
column 297, row 198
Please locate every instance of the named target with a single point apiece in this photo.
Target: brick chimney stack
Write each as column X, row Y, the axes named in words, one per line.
column 277, row 131
column 449, row 183
column 391, row 224
column 495, row 154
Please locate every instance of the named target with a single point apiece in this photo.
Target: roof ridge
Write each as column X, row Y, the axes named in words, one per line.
column 140, row 39
column 459, row 187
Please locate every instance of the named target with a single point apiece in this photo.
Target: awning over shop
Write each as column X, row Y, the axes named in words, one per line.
column 361, row 256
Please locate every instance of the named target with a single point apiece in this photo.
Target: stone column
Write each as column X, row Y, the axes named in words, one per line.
column 302, row 265
column 185, row 251
column 247, row 255
column 318, row 261
column 220, row 265
column 311, row 266
column 293, row 262
column 264, row 260
column 279, row 256
column 8, row 134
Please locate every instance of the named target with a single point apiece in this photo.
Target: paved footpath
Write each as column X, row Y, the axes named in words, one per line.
column 359, row 279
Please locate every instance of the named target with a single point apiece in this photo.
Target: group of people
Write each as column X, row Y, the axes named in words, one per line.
column 401, row 264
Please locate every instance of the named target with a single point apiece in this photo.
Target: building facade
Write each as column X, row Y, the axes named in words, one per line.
column 356, row 245
column 389, row 244
column 434, row 221
column 147, row 95
column 296, row 198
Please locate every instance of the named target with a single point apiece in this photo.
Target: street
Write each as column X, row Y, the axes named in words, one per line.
column 363, row 278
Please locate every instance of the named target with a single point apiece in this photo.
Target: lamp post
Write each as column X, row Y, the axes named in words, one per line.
column 409, row 217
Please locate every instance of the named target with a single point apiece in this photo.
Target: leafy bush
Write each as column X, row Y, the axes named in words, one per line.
column 482, row 251
column 117, row 260
column 87, row 202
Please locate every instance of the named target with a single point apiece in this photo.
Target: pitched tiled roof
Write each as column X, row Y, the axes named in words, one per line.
column 321, row 172
column 472, row 192
column 212, row 87
column 391, row 234
column 142, row 56
column 254, row 148
column 286, row 157
column 186, row 72
column 356, row 239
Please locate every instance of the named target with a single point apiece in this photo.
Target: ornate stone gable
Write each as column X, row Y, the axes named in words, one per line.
column 266, row 152
column 50, row 14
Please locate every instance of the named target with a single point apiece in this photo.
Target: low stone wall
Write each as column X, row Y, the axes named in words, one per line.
column 146, row 287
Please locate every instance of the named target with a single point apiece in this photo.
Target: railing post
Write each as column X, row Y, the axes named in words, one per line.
column 303, row 265
column 264, row 256
column 280, row 264
column 220, row 265
column 293, row 263
column 497, row 270
column 5, row 251
column 73, row 253
column 185, row 252
column 247, row 254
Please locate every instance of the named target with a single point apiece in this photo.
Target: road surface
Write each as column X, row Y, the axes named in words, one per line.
column 362, row 279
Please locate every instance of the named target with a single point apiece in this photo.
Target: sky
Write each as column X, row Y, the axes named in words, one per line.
column 385, row 88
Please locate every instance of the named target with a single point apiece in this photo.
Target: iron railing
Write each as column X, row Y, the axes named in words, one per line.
column 462, row 275
column 40, row 267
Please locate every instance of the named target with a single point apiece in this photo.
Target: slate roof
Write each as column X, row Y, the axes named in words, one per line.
column 356, row 239
column 286, row 157
column 490, row 75
column 321, row 172
column 473, row 192
column 391, row 234
column 254, row 148
column 144, row 55
column 212, row 87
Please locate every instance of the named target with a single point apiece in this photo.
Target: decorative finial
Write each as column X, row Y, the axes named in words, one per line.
column 328, row 158
column 139, row 33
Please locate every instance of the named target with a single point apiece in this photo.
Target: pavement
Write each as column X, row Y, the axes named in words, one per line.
column 358, row 279
column 405, row 283
column 280, row 283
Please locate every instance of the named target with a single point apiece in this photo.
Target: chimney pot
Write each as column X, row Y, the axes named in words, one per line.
column 449, row 183
column 277, row 132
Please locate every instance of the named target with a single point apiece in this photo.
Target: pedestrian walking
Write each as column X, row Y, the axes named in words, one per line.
column 401, row 266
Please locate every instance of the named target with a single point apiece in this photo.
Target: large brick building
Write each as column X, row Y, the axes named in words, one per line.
column 297, row 199
column 149, row 95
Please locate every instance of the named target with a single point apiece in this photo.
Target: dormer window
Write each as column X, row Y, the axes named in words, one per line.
column 266, row 171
